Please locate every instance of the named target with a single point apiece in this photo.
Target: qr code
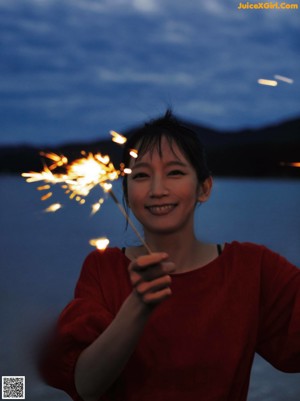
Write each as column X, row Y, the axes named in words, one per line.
column 13, row 387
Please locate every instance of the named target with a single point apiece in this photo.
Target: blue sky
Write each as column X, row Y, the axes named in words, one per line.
column 71, row 70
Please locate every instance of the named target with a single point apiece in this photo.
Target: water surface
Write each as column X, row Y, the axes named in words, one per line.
column 41, row 256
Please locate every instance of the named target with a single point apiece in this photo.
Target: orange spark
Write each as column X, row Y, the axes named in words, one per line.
column 133, row 153
column 57, row 159
column 106, row 186
column 294, row 164
column 47, row 196
column 43, row 187
column 118, row 138
column 45, row 175
column 99, row 243
column 268, row 82
column 96, row 206
column 53, row 208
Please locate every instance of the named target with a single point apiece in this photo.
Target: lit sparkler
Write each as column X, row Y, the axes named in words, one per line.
column 123, row 211
column 80, row 177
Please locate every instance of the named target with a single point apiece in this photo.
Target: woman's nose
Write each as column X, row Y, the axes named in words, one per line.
column 158, row 187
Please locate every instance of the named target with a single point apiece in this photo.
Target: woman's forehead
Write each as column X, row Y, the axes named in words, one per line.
column 165, row 149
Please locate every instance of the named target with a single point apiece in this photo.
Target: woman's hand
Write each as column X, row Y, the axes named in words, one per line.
column 102, row 362
column 150, row 277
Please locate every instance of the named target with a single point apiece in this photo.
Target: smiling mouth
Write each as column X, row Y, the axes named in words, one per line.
column 160, row 210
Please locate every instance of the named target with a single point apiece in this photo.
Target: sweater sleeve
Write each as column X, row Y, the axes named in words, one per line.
column 79, row 324
column 279, row 327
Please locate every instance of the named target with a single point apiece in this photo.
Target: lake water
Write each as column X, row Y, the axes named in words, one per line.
column 41, row 256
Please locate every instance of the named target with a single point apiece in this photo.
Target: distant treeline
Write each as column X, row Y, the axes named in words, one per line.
column 264, row 152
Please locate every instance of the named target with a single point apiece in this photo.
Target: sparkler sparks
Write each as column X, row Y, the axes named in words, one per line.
column 292, row 164
column 57, row 159
column 120, row 139
column 80, row 177
column 96, row 206
column 53, row 208
column 99, row 243
column 268, row 82
column 47, row 196
column 271, row 82
column 43, row 187
column 133, row 153
column 284, row 79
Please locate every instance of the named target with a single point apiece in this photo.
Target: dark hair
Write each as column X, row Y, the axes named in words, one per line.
column 149, row 136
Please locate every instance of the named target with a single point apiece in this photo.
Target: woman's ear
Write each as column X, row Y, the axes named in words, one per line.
column 205, row 189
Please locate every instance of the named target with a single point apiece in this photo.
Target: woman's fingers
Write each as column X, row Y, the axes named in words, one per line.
column 156, row 290
column 150, row 277
column 157, row 297
column 145, row 261
column 152, row 266
column 152, row 272
column 154, row 285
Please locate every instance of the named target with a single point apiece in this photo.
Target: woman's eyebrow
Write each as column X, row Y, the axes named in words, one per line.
column 140, row 164
column 176, row 163
column 171, row 163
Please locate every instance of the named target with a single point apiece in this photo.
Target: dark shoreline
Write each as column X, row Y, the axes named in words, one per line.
column 264, row 152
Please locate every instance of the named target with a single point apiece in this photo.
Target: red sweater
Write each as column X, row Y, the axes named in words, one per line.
column 197, row 345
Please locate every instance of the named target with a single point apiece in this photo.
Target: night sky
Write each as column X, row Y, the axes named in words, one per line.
column 71, row 70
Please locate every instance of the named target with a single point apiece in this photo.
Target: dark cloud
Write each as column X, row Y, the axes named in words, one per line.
column 73, row 70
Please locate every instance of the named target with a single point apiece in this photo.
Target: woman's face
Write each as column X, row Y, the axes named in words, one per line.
column 163, row 190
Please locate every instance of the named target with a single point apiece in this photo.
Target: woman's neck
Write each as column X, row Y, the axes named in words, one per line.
column 185, row 251
column 169, row 243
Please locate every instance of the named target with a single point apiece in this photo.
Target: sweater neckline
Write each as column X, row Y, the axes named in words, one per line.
column 203, row 268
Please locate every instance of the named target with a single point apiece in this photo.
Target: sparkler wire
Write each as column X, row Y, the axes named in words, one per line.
column 125, row 214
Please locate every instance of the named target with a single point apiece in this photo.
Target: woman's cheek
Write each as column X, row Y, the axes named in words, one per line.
column 135, row 195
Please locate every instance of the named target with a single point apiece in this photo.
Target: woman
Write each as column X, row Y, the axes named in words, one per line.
column 183, row 322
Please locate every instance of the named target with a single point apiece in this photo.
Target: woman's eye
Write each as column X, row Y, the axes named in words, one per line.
column 176, row 172
column 137, row 176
